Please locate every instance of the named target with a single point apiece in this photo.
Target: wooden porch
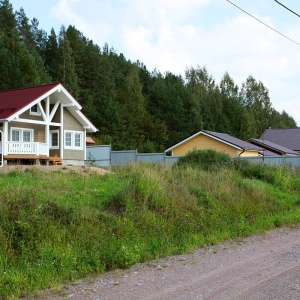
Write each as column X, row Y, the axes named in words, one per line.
column 30, row 159
column 29, row 153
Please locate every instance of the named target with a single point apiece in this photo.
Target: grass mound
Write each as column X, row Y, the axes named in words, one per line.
column 57, row 227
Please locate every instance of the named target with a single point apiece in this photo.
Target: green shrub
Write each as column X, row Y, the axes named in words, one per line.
column 205, row 159
column 57, row 227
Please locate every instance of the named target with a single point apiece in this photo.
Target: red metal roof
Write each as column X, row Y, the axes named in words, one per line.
column 14, row 100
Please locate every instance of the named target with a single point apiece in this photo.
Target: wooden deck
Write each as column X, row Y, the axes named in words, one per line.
column 55, row 160
column 52, row 160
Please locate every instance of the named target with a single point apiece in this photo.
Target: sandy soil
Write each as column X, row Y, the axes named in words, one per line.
column 66, row 169
column 260, row 267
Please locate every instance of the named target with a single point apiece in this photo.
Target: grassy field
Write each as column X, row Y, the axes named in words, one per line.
column 56, row 227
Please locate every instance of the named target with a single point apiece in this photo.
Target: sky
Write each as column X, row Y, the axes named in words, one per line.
column 174, row 35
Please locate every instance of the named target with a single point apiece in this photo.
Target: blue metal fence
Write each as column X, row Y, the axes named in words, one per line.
column 119, row 158
column 98, row 156
column 293, row 161
column 103, row 156
column 158, row 158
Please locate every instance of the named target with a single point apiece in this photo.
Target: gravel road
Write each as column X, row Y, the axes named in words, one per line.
column 260, row 267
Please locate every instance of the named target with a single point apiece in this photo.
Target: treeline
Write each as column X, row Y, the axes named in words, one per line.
column 132, row 107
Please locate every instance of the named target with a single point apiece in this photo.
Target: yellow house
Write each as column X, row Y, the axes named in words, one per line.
column 221, row 142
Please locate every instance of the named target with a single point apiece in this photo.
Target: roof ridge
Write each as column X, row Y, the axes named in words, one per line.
column 282, row 128
column 29, row 87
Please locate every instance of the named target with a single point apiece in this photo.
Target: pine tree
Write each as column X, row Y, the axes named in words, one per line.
column 24, row 29
column 66, row 66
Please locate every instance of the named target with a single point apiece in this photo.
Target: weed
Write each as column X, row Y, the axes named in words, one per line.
column 59, row 227
column 205, row 159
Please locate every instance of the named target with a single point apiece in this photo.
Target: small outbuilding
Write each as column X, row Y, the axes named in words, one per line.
column 89, row 141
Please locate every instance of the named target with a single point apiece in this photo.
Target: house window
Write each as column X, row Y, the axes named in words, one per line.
column 68, row 139
column 26, row 136
column 78, row 139
column 21, row 135
column 54, row 139
column 74, row 140
column 15, row 135
column 35, row 110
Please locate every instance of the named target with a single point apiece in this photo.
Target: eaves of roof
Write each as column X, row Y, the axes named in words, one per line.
column 221, row 137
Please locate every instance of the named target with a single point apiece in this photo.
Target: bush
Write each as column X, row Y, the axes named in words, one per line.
column 205, row 159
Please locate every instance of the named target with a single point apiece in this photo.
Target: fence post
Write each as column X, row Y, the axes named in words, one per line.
column 110, row 155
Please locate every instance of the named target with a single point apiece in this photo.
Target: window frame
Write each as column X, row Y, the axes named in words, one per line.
column 37, row 112
column 21, row 136
column 51, row 146
column 73, row 135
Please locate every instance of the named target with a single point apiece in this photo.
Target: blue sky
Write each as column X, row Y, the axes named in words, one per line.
column 173, row 35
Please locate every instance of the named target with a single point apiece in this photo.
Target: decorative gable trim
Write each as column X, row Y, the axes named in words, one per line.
column 65, row 100
column 15, row 115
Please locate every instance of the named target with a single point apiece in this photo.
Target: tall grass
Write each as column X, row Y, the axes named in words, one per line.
column 56, row 227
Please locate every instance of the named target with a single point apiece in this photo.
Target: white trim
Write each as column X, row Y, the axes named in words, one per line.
column 35, row 113
column 89, row 125
column 54, row 89
column 69, row 102
column 50, row 140
column 2, row 148
column 84, row 148
column 61, row 132
column 69, row 105
column 196, row 134
column 5, row 139
column 42, row 111
column 36, row 122
column 73, row 139
column 54, row 110
column 222, row 141
column 217, row 139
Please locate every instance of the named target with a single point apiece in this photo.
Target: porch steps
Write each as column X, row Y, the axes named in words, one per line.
column 55, row 160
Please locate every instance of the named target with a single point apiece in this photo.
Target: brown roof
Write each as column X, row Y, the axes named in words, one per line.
column 273, row 147
column 287, row 137
column 14, row 100
column 223, row 137
column 233, row 140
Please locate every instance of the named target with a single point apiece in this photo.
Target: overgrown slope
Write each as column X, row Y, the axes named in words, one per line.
column 57, row 227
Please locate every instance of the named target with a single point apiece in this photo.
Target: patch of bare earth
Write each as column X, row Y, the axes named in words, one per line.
column 260, row 267
column 66, row 169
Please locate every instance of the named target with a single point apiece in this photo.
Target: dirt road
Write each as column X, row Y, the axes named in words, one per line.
column 261, row 267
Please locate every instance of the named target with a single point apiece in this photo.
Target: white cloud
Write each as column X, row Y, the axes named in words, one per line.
column 173, row 35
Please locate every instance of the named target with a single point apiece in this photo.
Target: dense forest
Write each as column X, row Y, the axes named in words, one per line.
column 132, row 107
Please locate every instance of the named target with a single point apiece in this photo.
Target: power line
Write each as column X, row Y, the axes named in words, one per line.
column 287, row 8
column 264, row 23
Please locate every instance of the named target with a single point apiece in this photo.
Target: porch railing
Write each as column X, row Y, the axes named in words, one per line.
column 27, row 148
